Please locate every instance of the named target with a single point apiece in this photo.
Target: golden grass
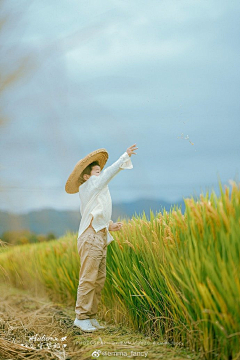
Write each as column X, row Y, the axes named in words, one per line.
column 176, row 276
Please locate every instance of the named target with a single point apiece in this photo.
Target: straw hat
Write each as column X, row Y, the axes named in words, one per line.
column 75, row 178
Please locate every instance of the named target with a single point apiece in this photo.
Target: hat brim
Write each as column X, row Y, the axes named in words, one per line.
column 75, row 179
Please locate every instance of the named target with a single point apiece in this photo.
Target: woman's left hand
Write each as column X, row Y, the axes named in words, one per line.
column 115, row 226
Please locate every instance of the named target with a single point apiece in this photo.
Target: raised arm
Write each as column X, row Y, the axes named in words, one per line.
column 124, row 162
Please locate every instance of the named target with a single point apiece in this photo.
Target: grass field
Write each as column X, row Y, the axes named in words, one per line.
column 174, row 278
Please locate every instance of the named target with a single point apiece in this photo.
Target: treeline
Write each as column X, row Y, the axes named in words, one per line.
column 22, row 237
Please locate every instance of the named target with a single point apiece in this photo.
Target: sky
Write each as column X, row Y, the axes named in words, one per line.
column 109, row 74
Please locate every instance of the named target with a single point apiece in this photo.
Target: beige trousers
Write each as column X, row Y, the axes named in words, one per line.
column 92, row 249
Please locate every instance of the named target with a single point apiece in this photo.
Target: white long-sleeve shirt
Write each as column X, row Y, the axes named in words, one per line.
column 95, row 198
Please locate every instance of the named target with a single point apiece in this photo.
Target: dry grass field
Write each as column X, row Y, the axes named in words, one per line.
column 33, row 327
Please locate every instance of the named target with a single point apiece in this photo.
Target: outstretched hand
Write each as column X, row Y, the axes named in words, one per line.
column 131, row 150
column 115, row 226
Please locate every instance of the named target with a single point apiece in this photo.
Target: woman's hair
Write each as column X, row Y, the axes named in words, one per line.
column 88, row 169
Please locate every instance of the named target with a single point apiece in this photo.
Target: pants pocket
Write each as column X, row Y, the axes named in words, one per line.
column 91, row 245
column 86, row 241
column 99, row 239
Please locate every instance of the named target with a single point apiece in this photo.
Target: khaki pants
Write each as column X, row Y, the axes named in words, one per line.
column 92, row 249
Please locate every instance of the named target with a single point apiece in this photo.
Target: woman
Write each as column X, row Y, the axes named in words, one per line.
column 93, row 235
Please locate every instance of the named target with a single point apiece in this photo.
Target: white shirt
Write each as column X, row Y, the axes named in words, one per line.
column 95, row 198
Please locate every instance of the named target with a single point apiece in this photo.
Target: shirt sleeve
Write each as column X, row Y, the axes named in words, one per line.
column 127, row 163
column 124, row 162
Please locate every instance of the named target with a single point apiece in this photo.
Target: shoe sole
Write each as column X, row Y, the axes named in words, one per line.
column 101, row 328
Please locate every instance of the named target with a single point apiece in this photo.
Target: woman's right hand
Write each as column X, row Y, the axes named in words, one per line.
column 131, row 150
column 115, row 226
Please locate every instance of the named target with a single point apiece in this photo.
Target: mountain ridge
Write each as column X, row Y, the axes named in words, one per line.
column 47, row 220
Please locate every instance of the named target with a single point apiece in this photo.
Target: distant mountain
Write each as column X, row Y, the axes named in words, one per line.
column 59, row 221
column 138, row 206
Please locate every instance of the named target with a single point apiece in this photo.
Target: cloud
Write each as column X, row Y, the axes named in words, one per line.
column 112, row 74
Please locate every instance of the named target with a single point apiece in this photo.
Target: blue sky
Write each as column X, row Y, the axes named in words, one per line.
column 162, row 74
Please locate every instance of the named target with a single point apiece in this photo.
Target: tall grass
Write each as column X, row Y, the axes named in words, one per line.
column 176, row 275
column 52, row 266
column 180, row 274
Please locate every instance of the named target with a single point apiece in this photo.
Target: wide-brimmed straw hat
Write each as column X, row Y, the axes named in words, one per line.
column 75, row 178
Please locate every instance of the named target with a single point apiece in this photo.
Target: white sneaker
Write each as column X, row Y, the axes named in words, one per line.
column 96, row 324
column 85, row 325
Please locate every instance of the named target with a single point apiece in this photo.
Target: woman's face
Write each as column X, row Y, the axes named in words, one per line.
column 96, row 170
